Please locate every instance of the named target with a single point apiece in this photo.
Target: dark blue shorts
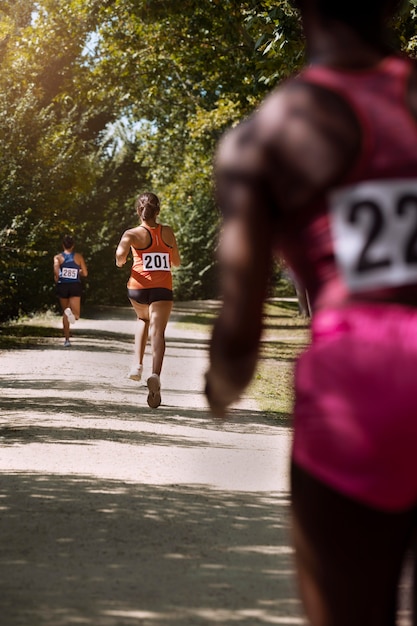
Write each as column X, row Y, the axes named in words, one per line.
column 147, row 296
column 69, row 290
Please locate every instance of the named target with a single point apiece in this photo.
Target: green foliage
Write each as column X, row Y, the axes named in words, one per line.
column 192, row 69
column 58, row 168
column 103, row 99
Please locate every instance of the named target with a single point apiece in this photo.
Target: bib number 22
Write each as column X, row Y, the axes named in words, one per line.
column 374, row 229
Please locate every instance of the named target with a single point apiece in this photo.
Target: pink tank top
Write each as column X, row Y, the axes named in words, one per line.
column 359, row 240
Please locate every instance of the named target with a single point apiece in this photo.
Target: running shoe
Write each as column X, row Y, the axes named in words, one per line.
column 154, row 395
column 135, row 372
column 67, row 343
column 70, row 315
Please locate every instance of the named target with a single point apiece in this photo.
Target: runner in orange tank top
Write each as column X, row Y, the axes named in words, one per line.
column 151, row 267
column 154, row 250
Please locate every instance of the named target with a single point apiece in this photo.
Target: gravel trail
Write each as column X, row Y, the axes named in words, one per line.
column 115, row 514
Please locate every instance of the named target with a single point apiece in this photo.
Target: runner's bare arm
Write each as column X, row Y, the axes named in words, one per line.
column 123, row 248
column 169, row 238
column 57, row 263
column 175, row 255
column 269, row 167
column 80, row 260
column 245, row 261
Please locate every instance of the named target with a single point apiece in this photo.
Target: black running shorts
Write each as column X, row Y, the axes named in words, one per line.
column 69, row 290
column 147, row 296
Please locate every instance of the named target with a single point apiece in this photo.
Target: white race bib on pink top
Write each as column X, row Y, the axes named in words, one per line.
column 374, row 230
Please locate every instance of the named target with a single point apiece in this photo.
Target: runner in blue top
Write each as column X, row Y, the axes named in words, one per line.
column 69, row 267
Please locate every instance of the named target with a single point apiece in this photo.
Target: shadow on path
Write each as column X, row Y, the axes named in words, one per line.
column 86, row 551
column 114, row 514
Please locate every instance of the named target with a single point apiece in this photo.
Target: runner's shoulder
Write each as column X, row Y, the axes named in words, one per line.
column 293, row 116
column 302, row 111
column 168, row 235
column 166, row 228
column 311, row 130
column 137, row 232
column 78, row 257
column 299, row 141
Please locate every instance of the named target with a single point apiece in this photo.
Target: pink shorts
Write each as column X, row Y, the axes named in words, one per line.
column 355, row 419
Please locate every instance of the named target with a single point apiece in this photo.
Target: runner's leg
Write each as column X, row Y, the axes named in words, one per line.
column 64, row 302
column 349, row 556
column 142, row 330
column 75, row 306
column 160, row 312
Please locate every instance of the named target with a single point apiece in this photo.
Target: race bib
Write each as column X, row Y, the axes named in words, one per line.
column 153, row 261
column 374, row 229
column 70, row 273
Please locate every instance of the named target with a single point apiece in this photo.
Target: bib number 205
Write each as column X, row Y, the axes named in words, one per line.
column 156, row 261
column 374, row 228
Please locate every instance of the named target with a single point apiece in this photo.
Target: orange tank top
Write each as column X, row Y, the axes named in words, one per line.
column 152, row 265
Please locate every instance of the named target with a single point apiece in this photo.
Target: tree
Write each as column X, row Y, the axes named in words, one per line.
column 103, row 99
column 191, row 70
column 55, row 155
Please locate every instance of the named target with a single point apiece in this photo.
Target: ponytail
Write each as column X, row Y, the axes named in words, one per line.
column 147, row 205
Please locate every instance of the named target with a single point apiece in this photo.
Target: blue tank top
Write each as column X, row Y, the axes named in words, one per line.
column 69, row 270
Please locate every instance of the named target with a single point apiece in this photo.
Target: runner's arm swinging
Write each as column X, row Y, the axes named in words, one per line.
column 123, row 249
column 244, row 256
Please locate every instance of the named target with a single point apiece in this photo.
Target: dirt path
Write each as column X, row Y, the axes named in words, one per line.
column 116, row 514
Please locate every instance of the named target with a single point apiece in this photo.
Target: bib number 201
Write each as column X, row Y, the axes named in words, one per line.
column 154, row 261
column 375, row 233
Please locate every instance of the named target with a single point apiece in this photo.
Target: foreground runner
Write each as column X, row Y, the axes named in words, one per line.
column 69, row 268
column 325, row 173
column 154, row 249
